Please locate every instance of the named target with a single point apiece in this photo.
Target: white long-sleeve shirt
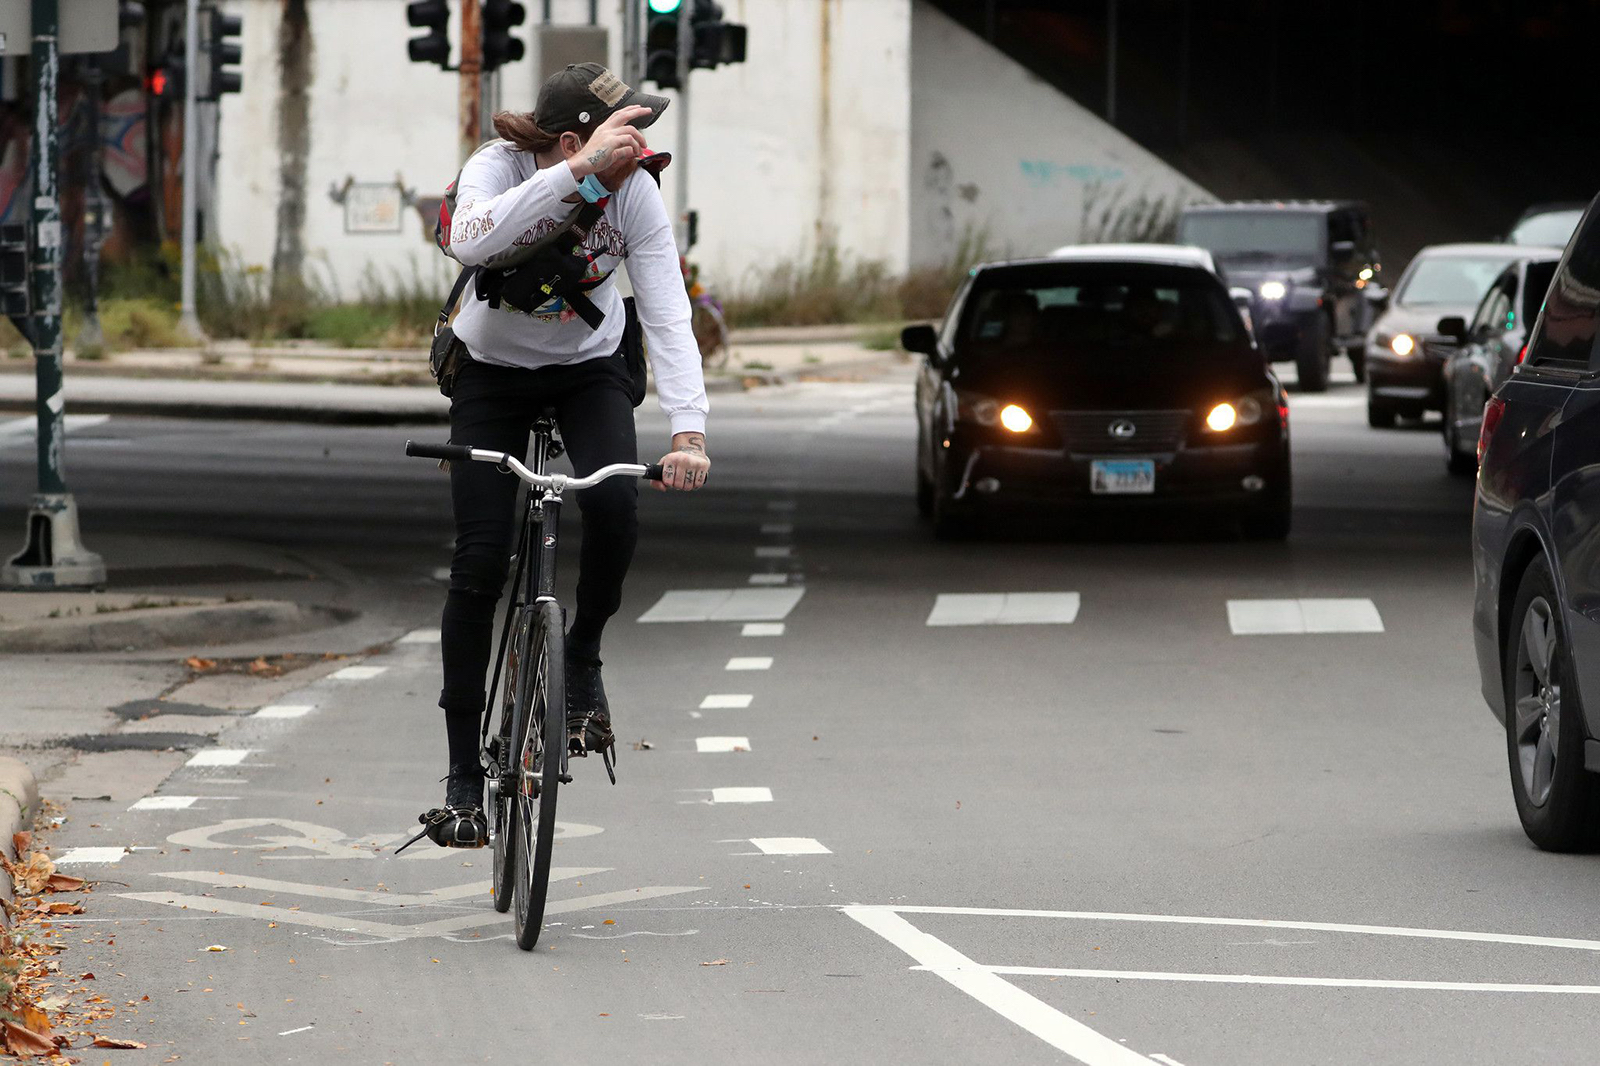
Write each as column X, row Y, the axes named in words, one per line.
column 503, row 201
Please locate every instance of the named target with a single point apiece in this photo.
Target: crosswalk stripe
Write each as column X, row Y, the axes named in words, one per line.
column 1303, row 616
column 1004, row 608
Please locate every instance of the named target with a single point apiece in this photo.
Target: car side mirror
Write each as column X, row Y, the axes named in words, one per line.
column 1454, row 327
column 920, row 338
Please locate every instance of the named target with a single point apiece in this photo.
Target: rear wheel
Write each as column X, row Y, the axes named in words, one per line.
column 1357, row 354
column 539, row 742
column 1313, row 353
column 1558, row 801
column 1456, row 461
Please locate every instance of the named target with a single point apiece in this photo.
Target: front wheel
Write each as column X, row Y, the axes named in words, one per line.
column 1558, row 801
column 538, row 748
column 1380, row 415
column 501, row 806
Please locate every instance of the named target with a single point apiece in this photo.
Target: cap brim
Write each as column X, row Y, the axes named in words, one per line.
column 656, row 104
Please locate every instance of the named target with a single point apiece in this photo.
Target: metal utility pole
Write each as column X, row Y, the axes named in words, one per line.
column 470, row 111
column 54, row 556
column 685, row 58
column 188, row 321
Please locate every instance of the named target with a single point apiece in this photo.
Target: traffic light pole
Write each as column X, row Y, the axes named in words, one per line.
column 685, row 57
column 54, row 556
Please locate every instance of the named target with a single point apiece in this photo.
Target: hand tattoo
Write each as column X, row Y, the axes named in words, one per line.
column 695, row 444
column 598, row 157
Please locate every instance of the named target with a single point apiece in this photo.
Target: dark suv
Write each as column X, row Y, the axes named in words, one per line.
column 1536, row 559
column 1311, row 267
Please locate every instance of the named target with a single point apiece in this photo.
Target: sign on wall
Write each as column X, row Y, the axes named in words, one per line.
column 373, row 208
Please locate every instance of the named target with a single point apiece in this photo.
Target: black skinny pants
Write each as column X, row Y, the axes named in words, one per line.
column 494, row 407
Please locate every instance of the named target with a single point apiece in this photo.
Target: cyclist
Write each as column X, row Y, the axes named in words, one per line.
column 585, row 129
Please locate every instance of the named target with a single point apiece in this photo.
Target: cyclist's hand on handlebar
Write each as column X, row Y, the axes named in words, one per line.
column 612, row 142
column 687, row 466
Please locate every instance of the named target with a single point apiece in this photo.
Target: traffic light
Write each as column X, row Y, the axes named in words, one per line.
column 222, row 51
column 166, row 78
column 14, row 271
column 715, row 42
column 499, row 45
column 661, row 42
column 434, row 46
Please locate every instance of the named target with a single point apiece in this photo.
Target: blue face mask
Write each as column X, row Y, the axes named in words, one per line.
column 591, row 189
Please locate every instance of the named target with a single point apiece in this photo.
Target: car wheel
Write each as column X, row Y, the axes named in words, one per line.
column 1558, row 801
column 1357, row 354
column 1457, row 461
column 1313, row 354
column 1379, row 414
column 950, row 520
column 924, row 495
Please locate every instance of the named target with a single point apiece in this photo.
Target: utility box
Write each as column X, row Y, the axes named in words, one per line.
column 556, row 46
column 86, row 26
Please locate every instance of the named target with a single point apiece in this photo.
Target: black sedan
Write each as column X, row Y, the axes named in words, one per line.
column 1487, row 348
column 1057, row 384
column 1405, row 376
column 1536, row 559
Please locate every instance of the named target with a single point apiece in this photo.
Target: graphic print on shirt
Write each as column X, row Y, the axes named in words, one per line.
column 603, row 239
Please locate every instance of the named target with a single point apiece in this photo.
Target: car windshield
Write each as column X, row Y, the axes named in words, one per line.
column 1450, row 279
column 1295, row 235
column 1097, row 310
column 1552, row 229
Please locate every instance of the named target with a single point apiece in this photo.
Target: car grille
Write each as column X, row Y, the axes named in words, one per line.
column 1089, row 432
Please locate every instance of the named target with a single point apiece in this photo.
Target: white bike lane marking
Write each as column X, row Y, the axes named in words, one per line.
column 986, row 983
column 314, row 842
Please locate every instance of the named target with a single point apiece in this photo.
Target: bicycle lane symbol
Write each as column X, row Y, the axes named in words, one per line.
column 298, row 840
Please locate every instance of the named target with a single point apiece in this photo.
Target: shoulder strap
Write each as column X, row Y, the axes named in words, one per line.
column 454, row 297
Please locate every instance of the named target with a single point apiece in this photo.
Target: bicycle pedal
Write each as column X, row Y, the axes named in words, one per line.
column 566, row 779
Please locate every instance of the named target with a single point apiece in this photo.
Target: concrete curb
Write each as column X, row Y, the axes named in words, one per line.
column 162, row 627
column 19, row 804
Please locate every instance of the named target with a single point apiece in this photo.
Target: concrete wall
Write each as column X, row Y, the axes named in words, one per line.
column 808, row 143
column 999, row 155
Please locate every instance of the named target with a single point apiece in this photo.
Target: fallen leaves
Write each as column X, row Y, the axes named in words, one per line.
column 643, row 745
column 715, row 962
column 217, row 947
column 113, row 1042
column 199, row 665
column 22, row 1041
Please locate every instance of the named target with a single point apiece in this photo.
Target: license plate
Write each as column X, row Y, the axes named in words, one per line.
column 1122, row 476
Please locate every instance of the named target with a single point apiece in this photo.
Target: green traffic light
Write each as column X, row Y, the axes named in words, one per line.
column 665, row 7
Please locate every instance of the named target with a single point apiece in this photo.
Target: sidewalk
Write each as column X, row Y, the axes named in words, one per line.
column 371, row 386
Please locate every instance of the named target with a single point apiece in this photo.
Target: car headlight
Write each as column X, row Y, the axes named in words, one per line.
column 1403, row 344
column 1015, row 418
column 1245, row 411
column 977, row 409
column 1273, row 290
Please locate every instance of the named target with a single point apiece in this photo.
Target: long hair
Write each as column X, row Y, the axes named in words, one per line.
column 526, row 135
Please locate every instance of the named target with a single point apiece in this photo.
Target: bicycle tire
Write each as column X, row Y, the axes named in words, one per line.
column 516, row 693
column 541, row 742
column 710, row 334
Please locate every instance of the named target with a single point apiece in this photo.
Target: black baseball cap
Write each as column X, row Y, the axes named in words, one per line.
column 584, row 94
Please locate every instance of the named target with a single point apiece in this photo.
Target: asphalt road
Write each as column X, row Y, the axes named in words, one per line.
column 1137, row 836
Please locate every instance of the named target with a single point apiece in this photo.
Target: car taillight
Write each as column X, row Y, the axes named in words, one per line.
column 1491, row 418
column 1522, row 355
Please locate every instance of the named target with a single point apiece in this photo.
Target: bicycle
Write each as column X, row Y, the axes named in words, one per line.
column 524, row 764
column 705, row 319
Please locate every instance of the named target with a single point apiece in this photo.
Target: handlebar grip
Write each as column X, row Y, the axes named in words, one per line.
column 452, row 452
column 652, row 472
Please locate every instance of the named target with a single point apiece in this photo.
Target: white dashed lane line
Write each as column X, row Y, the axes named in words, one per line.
column 357, row 673
column 780, row 505
column 712, row 745
column 164, row 803
column 77, row 855
column 724, row 605
column 762, row 629
column 1272, row 617
column 774, row 551
column 741, row 795
column 777, row 529
column 284, row 710
column 769, row 579
column 219, row 757
column 790, row 846
column 750, row 662
column 421, row 636
column 726, row 701
column 1004, row 608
